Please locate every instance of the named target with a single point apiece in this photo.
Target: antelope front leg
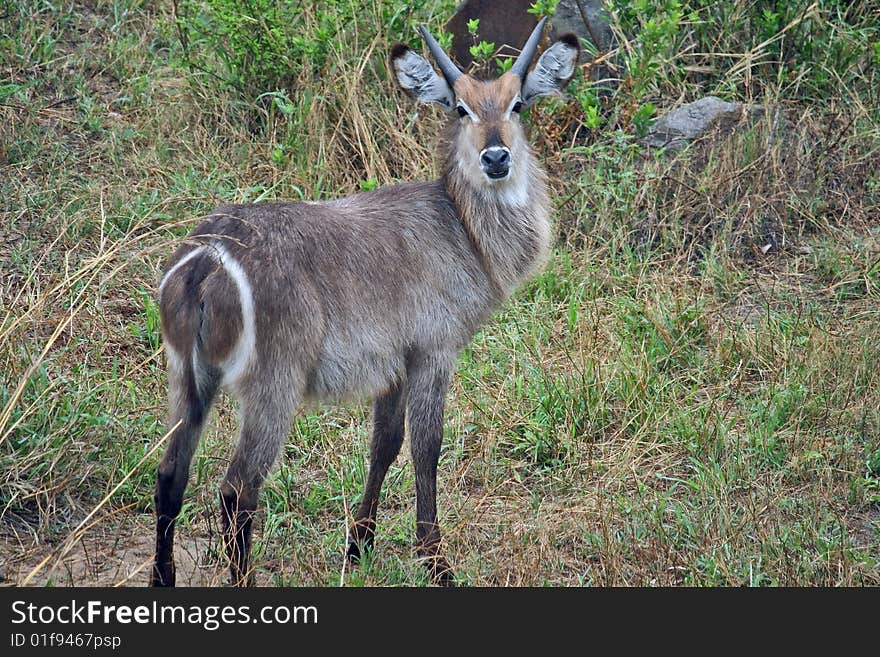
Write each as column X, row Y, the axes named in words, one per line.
column 388, row 414
column 427, row 380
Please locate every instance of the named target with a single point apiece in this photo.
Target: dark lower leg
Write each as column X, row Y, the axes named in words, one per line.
column 171, row 480
column 188, row 408
column 388, row 423
column 427, row 529
column 168, row 500
column 425, row 405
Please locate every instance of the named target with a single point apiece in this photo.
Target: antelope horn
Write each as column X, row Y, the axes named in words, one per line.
column 527, row 54
column 450, row 71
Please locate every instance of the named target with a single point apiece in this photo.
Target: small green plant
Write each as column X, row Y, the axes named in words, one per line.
column 504, row 64
column 592, row 118
column 866, row 489
column 642, row 118
column 482, row 51
column 17, row 90
column 147, row 329
column 279, row 156
column 443, row 38
column 543, row 7
column 280, row 101
column 872, row 464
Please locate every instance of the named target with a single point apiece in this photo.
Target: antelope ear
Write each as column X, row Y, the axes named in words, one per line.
column 553, row 70
column 418, row 78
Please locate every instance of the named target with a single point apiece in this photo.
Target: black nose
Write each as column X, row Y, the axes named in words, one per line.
column 496, row 162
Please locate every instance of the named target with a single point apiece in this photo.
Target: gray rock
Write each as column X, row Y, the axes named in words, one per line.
column 692, row 121
column 587, row 19
column 590, row 22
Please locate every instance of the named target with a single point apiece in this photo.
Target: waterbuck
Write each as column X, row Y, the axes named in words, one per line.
column 370, row 295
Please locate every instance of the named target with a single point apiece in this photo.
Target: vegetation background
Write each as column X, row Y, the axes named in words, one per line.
column 688, row 395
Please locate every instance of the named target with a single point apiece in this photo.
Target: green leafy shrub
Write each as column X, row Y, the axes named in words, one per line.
column 259, row 47
column 806, row 47
column 665, row 49
column 801, row 48
column 253, row 41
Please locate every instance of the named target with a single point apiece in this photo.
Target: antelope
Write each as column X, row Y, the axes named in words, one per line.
column 372, row 295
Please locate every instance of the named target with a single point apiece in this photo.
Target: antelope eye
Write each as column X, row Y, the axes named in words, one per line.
column 462, row 112
column 517, row 106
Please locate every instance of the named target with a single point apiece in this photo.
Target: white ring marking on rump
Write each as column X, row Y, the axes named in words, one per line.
column 180, row 263
column 237, row 363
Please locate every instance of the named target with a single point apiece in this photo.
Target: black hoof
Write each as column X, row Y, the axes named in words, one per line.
column 360, row 541
column 353, row 552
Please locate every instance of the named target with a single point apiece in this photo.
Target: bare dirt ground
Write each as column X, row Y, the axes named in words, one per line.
column 109, row 556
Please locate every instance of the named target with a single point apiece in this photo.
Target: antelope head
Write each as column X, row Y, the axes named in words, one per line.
column 489, row 146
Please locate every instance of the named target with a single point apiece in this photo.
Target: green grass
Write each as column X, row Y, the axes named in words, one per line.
column 671, row 402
